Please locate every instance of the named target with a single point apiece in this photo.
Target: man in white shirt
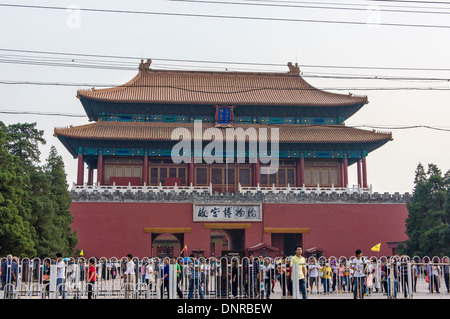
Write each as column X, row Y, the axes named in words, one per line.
column 268, row 272
column 129, row 275
column 313, row 269
column 359, row 267
column 60, row 274
column 149, row 275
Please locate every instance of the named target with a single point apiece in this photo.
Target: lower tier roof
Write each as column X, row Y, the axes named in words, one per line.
column 148, row 134
column 155, row 131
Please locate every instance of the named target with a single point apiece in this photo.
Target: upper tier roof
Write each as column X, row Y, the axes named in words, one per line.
column 153, row 131
column 220, row 88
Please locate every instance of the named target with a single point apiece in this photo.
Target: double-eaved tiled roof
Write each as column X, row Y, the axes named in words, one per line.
column 217, row 88
column 154, row 131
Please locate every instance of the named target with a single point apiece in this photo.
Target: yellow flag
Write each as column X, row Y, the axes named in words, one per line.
column 82, row 253
column 376, row 247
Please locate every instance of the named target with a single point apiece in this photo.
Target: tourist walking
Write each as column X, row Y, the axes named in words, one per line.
column 149, row 275
column 129, row 277
column 313, row 270
column 60, row 274
column 392, row 279
column 370, row 271
column 326, row 272
column 435, row 277
column 253, row 277
column 404, row 277
column 268, row 272
column 178, row 278
column 91, row 278
column 299, row 260
column 358, row 265
column 165, row 278
column 195, row 278
column 9, row 273
column 445, row 270
column 234, row 278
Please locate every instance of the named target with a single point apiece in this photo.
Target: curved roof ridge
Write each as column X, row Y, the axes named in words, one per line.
column 219, row 87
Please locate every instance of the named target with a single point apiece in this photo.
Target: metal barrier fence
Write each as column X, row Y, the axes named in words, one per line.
column 222, row 278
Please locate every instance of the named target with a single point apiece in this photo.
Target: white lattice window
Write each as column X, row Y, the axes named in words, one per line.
column 137, row 171
column 201, row 176
column 128, row 171
column 244, row 176
column 308, row 176
column 316, row 177
column 334, row 176
column 325, row 177
column 109, row 172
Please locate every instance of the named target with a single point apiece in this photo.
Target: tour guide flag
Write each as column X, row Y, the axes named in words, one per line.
column 185, row 248
column 376, row 247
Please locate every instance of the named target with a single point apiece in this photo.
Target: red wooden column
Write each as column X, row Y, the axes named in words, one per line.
column 358, row 167
column 90, row 176
column 80, row 175
column 364, row 172
column 191, row 172
column 300, row 172
column 345, row 171
column 145, row 170
column 257, row 170
column 100, row 169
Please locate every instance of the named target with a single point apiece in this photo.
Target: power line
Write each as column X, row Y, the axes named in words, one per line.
column 122, row 67
column 310, row 6
column 404, row 4
column 244, row 90
column 41, row 113
column 224, row 62
column 70, row 61
column 411, row 1
column 341, row 76
column 225, row 16
column 396, row 127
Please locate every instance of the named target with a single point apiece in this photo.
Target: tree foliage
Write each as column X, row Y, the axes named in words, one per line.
column 34, row 200
column 15, row 236
column 428, row 222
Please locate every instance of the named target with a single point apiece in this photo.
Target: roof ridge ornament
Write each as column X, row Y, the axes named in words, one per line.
column 144, row 66
column 295, row 70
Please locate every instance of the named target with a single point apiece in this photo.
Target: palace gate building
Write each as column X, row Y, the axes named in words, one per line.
column 138, row 191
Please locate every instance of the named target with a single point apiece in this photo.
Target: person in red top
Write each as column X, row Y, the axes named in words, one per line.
column 91, row 278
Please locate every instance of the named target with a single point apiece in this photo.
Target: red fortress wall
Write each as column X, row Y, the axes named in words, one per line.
column 114, row 229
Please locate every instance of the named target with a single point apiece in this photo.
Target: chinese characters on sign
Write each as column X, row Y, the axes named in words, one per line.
column 230, row 213
column 224, row 116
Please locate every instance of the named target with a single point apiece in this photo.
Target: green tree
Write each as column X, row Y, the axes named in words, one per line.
column 427, row 225
column 43, row 217
column 60, row 196
column 24, row 141
column 34, row 200
column 15, row 230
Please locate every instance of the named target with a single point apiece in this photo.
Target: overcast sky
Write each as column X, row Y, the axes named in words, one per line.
column 400, row 60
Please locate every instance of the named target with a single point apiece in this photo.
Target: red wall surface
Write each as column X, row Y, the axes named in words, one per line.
column 114, row 229
column 340, row 229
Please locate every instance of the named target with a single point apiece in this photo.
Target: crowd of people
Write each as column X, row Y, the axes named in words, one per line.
column 248, row 277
